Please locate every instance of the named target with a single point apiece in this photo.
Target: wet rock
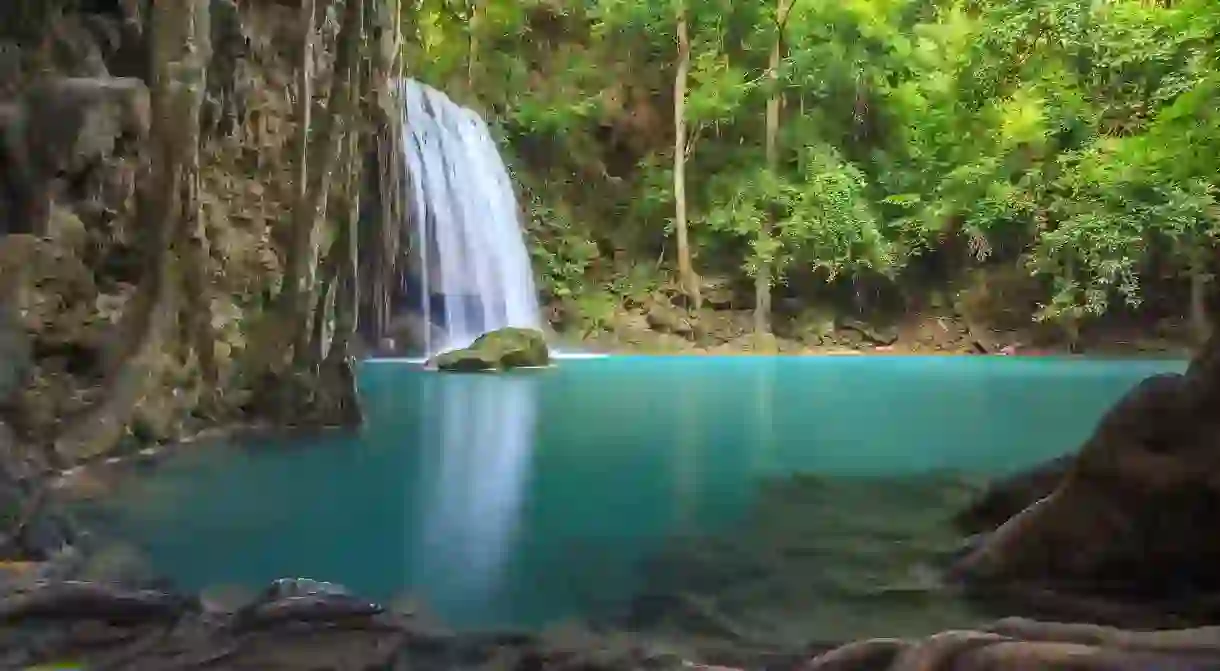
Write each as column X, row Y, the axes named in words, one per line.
column 290, row 587
column 303, row 600
column 82, row 600
column 311, row 608
column 496, row 351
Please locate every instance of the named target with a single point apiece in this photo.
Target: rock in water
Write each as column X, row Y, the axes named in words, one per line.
column 81, row 600
column 289, row 587
column 303, row 600
column 499, row 350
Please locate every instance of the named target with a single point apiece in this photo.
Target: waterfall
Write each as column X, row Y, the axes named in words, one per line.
column 468, row 271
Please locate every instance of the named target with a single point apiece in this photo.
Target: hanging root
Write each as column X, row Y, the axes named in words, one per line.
column 1017, row 644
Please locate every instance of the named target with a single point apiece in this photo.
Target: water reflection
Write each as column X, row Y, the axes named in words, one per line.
column 477, row 441
column 763, row 455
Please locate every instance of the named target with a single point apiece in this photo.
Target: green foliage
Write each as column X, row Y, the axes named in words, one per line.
column 1080, row 138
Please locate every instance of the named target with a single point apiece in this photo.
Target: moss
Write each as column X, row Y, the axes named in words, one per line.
column 499, row 350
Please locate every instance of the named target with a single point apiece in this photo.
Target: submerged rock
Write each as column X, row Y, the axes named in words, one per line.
column 70, row 600
column 499, row 350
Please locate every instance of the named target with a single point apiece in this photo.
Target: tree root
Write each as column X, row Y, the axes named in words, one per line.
column 1017, row 644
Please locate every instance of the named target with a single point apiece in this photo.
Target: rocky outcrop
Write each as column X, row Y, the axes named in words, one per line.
column 497, row 351
column 73, row 252
column 1125, row 535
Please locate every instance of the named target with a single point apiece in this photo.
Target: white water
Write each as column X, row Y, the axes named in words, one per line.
column 419, row 361
column 467, row 247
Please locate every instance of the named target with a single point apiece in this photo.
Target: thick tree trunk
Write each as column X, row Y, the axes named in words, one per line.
column 193, row 247
column 347, row 298
column 323, row 158
column 180, row 54
column 690, row 282
column 379, row 237
column 294, row 295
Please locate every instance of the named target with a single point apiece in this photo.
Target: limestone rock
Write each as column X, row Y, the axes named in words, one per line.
column 499, row 350
column 73, row 121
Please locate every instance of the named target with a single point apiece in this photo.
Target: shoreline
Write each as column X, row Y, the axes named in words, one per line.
column 1135, row 355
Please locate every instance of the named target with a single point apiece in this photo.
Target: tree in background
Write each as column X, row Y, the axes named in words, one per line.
column 1074, row 140
column 690, row 282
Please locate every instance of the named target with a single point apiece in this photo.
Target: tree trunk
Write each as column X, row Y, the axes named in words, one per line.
column 347, row 298
column 324, row 155
column 293, row 295
column 690, row 282
column 472, row 52
column 340, row 109
column 763, row 277
column 180, row 59
column 322, row 302
column 1200, row 321
column 192, row 235
column 379, row 238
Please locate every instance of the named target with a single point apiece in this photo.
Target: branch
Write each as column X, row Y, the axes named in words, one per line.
column 781, row 19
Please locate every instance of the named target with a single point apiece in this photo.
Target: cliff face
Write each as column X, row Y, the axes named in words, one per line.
column 74, row 125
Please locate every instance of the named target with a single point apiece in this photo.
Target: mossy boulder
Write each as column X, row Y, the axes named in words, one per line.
column 496, row 351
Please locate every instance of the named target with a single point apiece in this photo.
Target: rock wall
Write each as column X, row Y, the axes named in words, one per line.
column 73, row 117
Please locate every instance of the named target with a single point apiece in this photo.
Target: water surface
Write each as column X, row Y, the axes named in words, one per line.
column 537, row 496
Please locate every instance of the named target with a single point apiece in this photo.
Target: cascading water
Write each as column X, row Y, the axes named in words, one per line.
column 469, row 269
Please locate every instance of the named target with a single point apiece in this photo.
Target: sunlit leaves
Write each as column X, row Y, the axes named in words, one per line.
column 1081, row 136
column 1020, row 119
column 718, row 89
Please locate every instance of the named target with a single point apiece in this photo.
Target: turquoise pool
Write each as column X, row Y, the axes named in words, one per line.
column 537, row 496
